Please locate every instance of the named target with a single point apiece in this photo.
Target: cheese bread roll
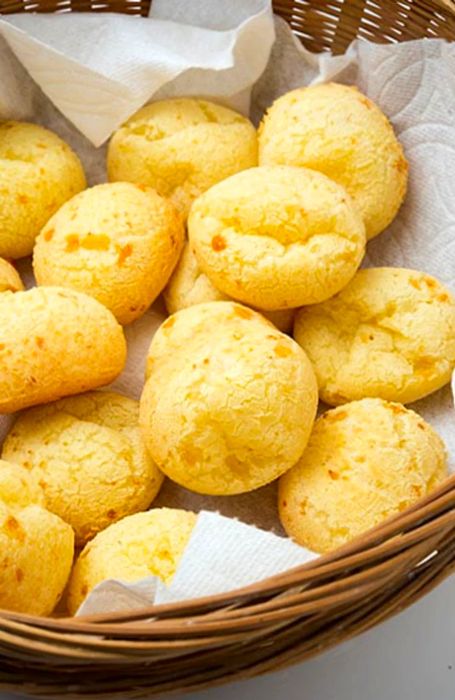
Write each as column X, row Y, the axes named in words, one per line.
column 141, row 545
column 337, row 130
column 36, row 547
column 38, row 173
column 365, row 461
column 277, row 237
column 118, row 242
column 89, row 458
column 389, row 334
column 55, row 342
column 229, row 401
column 181, row 147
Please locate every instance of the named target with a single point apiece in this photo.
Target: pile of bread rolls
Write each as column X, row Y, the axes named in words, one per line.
column 255, row 239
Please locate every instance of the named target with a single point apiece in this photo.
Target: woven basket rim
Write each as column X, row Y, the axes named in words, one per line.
column 370, row 540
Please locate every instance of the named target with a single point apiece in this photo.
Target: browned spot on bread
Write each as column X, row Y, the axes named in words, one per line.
column 143, row 188
column 72, row 243
column 96, row 241
column 284, row 503
column 243, row 312
column 48, row 235
column 14, row 528
column 124, row 253
column 22, row 199
column 282, row 350
column 365, row 101
column 431, row 283
column 206, row 361
column 191, row 454
column 39, row 341
column 333, row 475
column 416, row 283
column 169, row 322
column 111, row 514
column 443, row 297
column 2, row 346
column 416, row 490
column 19, row 575
column 218, row 243
column 401, row 165
column 336, row 415
column 84, row 590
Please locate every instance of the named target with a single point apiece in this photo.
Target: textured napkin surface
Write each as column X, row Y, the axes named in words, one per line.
column 413, row 83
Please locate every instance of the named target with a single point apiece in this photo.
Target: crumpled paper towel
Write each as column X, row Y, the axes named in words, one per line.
column 223, row 554
column 99, row 71
column 413, row 83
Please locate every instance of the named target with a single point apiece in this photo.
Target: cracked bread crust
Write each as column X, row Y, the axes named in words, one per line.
column 390, row 334
column 365, row 461
column 277, row 237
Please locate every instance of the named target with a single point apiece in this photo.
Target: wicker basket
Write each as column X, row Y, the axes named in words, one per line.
column 285, row 619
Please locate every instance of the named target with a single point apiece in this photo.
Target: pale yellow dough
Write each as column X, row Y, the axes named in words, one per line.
column 88, row 456
column 389, row 334
column 242, row 397
column 277, row 237
column 117, row 242
column 181, row 147
column 189, row 286
column 38, row 173
column 55, row 342
column 9, row 278
column 141, row 545
column 36, row 547
column 365, row 461
column 340, row 132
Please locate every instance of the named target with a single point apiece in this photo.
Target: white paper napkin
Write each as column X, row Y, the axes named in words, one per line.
column 99, row 69
column 414, row 85
column 223, row 554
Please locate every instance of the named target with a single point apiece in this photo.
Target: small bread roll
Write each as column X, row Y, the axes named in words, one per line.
column 36, row 547
column 89, row 458
column 141, row 545
column 277, row 237
column 119, row 243
column 38, row 173
column 229, row 402
column 337, row 130
column 365, row 461
column 55, row 342
column 181, row 147
column 189, row 286
column 389, row 334
column 9, row 278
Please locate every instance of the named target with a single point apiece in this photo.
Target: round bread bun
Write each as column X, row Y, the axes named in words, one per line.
column 89, row 458
column 117, row 242
column 277, row 237
column 38, row 173
column 337, row 130
column 189, row 286
column 36, row 547
column 141, row 545
column 242, row 397
column 389, row 334
column 9, row 278
column 365, row 461
column 181, row 147
column 55, row 342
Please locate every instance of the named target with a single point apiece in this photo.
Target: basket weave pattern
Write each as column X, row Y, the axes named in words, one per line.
column 292, row 616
